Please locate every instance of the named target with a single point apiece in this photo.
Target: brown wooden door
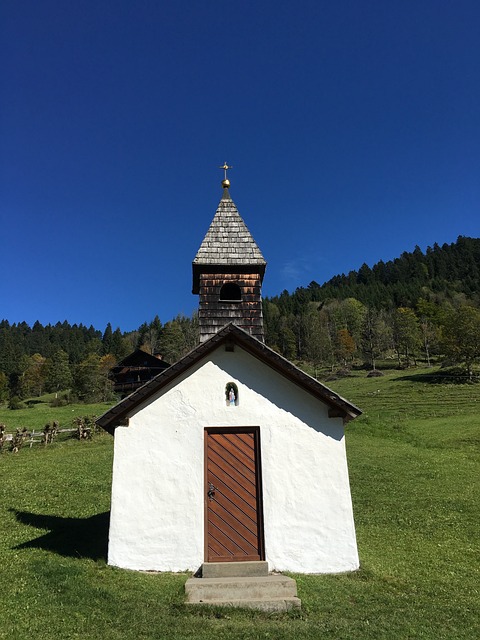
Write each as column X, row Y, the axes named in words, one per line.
column 233, row 495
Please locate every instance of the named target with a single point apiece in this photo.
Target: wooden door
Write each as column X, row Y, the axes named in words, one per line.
column 233, row 507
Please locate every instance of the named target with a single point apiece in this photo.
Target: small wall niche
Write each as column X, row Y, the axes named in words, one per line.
column 231, row 394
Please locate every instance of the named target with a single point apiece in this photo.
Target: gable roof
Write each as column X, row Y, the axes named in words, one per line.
column 227, row 243
column 141, row 358
column 231, row 335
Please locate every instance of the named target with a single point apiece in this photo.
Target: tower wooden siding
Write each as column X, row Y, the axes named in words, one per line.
column 214, row 313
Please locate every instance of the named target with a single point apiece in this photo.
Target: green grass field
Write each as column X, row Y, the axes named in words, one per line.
column 38, row 414
column 414, row 469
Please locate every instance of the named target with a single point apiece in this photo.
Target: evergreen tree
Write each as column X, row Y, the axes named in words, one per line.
column 271, row 319
column 10, row 351
column 287, row 338
column 58, row 375
column 190, row 331
column 151, row 335
column 172, row 343
column 3, row 387
column 93, row 339
column 119, row 346
column 107, row 340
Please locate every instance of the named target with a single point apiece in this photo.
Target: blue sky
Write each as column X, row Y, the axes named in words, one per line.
column 353, row 128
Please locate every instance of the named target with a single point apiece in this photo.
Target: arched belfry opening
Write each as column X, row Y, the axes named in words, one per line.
column 230, row 292
column 228, row 273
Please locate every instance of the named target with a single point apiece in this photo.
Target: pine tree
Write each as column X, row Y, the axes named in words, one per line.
column 58, row 375
column 107, row 340
column 119, row 346
column 3, row 387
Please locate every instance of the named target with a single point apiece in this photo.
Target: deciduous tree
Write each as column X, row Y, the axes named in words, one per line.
column 92, row 383
column 345, row 346
column 34, row 376
column 405, row 333
column 461, row 336
column 375, row 335
column 317, row 340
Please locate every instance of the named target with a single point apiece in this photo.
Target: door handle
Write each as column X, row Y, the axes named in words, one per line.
column 211, row 491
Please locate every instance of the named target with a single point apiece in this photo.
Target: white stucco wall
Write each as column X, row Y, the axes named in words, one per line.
column 157, row 519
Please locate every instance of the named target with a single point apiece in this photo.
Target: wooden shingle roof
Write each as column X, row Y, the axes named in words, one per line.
column 228, row 241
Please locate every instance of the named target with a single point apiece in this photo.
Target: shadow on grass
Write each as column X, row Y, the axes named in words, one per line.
column 72, row 537
column 447, row 376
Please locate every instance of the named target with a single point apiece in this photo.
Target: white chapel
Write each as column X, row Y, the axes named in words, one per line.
column 232, row 454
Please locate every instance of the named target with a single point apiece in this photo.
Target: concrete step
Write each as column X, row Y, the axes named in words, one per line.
column 234, row 569
column 261, row 604
column 206, row 590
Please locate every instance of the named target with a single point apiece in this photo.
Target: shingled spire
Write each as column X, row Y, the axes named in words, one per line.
column 228, row 273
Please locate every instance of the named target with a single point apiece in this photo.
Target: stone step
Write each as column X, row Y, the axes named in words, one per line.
column 206, row 590
column 261, row 604
column 234, row 569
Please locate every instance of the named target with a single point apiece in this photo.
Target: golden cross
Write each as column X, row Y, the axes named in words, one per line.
column 225, row 168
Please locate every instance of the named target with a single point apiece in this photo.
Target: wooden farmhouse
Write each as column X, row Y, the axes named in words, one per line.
column 232, row 454
column 134, row 370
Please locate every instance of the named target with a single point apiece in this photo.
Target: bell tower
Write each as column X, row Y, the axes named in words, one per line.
column 228, row 273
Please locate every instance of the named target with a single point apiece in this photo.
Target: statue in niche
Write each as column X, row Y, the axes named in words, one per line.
column 231, row 394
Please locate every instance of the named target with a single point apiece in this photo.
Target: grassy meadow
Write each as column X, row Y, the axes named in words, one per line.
column 414, row 470
column 39, row 412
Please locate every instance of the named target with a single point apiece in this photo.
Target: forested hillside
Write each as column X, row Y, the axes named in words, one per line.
column 417, row 306
column 40, row 359
column 447, row 273
column 420, row 306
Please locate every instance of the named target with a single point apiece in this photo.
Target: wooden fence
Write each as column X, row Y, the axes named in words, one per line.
column 34, row 437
